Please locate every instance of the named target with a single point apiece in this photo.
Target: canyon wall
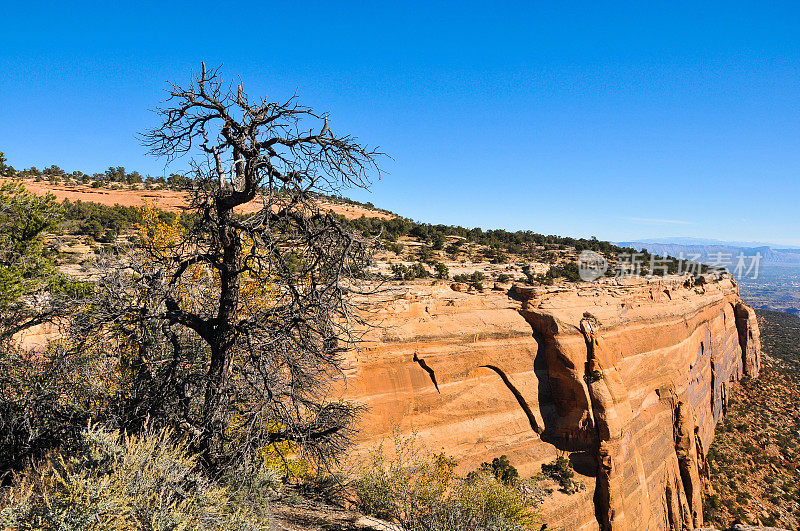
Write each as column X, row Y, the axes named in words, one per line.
column 626, row 378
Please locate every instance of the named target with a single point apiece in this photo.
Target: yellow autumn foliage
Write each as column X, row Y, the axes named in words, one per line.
column 155, row 234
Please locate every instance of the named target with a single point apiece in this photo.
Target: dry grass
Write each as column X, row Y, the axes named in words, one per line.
column 129, row 482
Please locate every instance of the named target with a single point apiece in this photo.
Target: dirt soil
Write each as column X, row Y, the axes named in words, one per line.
column 169, row 200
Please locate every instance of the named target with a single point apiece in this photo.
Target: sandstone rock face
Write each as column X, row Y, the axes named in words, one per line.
column 629, row 379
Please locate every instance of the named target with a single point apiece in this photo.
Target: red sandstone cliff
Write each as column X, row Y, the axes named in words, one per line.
column 629, row 379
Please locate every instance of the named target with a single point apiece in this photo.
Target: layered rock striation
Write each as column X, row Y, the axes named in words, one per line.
column 626, row 378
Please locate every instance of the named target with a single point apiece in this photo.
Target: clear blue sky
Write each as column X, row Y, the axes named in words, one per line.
column 638, row 120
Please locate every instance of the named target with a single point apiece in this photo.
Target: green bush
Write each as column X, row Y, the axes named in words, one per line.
column 442, row 271
column 424, row 493
column 454, row 248
column 499, row 258
column 438, row 241
column 403, row 272
column 528, row 272
column 400, row 271
column 594, row 376
column 568, row 270
column 502, row 470
column 418, row 270
column 475, row 279
column 561, row 471
column 425, row 254
column 396, row 248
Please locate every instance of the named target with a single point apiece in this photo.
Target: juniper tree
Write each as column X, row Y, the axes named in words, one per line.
column 32, row 291
column 33, row 414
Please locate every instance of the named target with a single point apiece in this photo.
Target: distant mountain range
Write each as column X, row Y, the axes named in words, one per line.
column 707, row 242
column 710, row 250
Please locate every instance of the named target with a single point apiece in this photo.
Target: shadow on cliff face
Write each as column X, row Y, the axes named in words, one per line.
column 547, row 407
column 584, row 463
column 424, row 365
column 563, row 403
column 523, row 404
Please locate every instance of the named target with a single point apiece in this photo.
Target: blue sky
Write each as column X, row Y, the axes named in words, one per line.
column 638, row 120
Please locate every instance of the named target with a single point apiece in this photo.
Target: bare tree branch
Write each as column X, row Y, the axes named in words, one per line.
column 240, row 322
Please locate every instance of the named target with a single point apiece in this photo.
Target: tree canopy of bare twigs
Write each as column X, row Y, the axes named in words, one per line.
column 230, row 323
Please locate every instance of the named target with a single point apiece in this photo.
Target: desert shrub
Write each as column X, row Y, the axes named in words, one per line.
column 594, row 376
column 425, row 254
column 442, row 271
column 503, row 278
column 43, row 404
column 286, row 460
column 396, row 248
column 561, row 471
column 420, row 231
column 502, row 470
column 404, row 272
column 568, row 271
column 571, row 271
column 499, row 258
column 92, row 228
column 418, row 271
column 423, row 492
column 475, row 279
column 400, row 272
column 483, row 502
column 528, row 272
column 438, row 241
column 123, row 482
column 454, row 248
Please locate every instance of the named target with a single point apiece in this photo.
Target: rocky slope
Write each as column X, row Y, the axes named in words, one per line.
column 627, row 378
column 755, row 458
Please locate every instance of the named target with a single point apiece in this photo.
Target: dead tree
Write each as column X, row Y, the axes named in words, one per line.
column 233, row 323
